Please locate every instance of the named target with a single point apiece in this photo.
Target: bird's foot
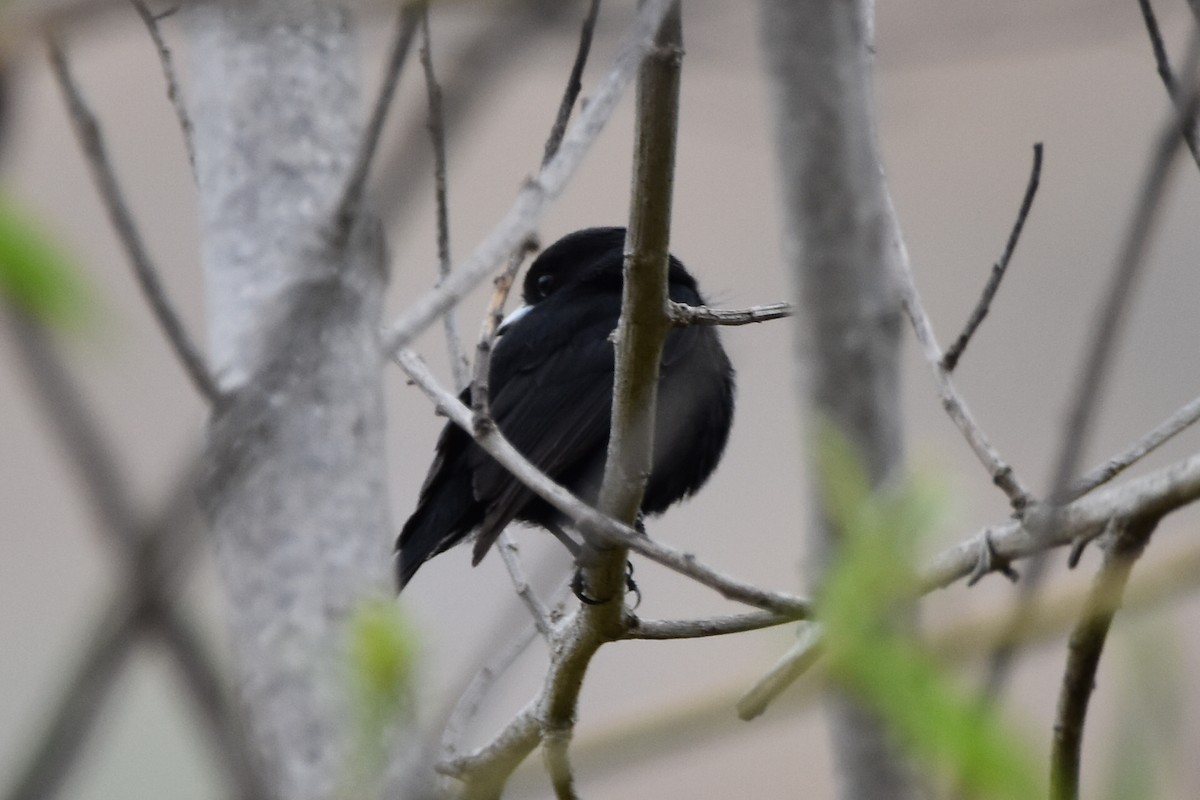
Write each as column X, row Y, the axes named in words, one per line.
column 579, row 587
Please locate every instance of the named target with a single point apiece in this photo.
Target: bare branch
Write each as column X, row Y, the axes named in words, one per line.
column 1187, row 122
column 1106, row 328
column 574, row 83
column 556, row 754
column 469, row 702
column 437, row 135
column 87, row 131
column 794, row 663
column 510, row 555
column 1151, row 496
column 1145, row 445
column 950, row 360
column 682, row 314
column 956, row 407
column 534, row 199
column 1084, row 651
column 352, row 195
column 502, row 285
column 709, row 626
column 73, row 718
column 492, row 441
column 168, row 68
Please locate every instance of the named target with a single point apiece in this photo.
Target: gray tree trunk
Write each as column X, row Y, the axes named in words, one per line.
column 296, row 494
column 838, row 242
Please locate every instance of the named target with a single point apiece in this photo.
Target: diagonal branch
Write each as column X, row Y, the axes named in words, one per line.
column 168, row 67
column 950, row 360
column 574, row 83
column 586, row 517
column 352, row 195
column 87, row 130
column 1187, row 122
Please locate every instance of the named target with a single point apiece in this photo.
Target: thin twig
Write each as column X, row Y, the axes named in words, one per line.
column 87, row 130
column 511, row 557
column 588, row 518
column 1187, row 122
column 535, row 197
column 1146, row 444
column 437, row 135
column 950, row 360
column 356, row 183
column 574, row 83
column 1084, row 650
column 791, row 665
column 501, row 286
column 1106, row 328
column 1002, row 474
column 682, row 314
column 477, row 65
column 168, row 69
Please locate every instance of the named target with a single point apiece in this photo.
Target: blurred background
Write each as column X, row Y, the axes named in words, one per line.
column 963, row 90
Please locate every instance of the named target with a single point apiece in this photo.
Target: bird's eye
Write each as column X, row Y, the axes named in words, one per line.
column 545, row 284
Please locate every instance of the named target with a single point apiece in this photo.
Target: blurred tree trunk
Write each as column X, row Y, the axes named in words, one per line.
column 296, row 491
column 838, row 242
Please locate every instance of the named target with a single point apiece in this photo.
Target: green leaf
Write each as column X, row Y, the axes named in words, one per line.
column 383, row 655
column 871, row 654
column 34, row 275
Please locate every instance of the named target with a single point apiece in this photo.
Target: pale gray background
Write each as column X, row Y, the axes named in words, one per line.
column 963, row 89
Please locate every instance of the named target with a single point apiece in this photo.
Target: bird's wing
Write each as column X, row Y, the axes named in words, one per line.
column 555, row 410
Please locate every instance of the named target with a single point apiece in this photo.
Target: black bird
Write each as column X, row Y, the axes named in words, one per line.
column 551, row 383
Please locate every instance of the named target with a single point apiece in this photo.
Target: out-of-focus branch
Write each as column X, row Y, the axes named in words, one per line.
column 168, row 68
column 1085, row 648
column 1187, row 122
column 356, row 183
column 87, row 131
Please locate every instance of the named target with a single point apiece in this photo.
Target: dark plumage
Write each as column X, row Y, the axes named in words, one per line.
column 551, row 385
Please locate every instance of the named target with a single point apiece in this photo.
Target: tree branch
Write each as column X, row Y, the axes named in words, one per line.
column 1187, row 122
column 437, row 135
column 682, row 314
column 87, row 131
column 574, row 83
column 535, row 198
column 1084, row 651
column 356, row 182
column 168, row 69
column 585, row 517
column 950, row 359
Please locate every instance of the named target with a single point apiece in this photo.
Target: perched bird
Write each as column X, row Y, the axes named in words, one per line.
column 551, row 383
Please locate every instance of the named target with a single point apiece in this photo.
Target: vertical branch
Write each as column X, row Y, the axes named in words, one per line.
column 841, row 244
column 437, row 135
column 640, row 336
column 1086, row 645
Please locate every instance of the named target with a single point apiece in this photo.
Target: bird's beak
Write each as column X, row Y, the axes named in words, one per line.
column 512, row 318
